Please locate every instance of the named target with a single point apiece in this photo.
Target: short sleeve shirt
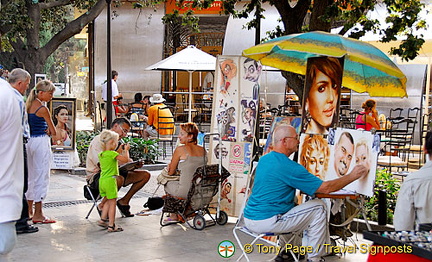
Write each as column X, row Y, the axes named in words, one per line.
column 108, row 163
column 276, row 180
column 114, row 90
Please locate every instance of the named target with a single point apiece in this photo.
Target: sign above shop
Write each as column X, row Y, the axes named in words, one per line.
column 215, row 8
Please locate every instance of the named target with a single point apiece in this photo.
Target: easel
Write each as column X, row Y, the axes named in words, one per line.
column 357, row 201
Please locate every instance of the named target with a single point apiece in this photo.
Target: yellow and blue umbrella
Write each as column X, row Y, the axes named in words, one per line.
column 366, row 68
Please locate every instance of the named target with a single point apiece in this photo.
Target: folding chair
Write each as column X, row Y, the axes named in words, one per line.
column 268, row 237
column 91, row 192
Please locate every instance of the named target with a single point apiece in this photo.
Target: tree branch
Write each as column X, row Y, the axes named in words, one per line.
column 47, row 5
column 72, row 28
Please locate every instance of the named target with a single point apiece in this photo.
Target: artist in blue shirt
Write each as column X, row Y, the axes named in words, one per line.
column 270, row 207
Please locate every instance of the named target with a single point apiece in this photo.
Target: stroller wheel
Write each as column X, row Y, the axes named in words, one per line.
column 199, row 222
column 222, row 219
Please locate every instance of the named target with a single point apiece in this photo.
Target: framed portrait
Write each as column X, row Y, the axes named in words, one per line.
column 321, row 95
column 39, row 77
column 63, row 112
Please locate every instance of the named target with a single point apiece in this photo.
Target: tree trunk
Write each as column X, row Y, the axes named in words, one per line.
column 293, row 19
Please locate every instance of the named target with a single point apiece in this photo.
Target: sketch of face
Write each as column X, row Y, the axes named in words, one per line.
column 226, row 70
column 322, row 100
column 316, row 164
column 343, row 155
column 223, row 150
column 252, row 72
column 62, row 116
column 362, row 155
column 315, row 155
column 248, row 113
column 226, row 189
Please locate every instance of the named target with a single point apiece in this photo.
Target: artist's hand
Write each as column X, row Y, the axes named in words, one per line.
column 360, row 171
column 126, row 146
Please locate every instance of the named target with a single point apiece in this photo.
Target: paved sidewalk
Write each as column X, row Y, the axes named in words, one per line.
column 74, row 238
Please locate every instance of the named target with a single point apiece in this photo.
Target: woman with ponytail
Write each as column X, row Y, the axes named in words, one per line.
column 39, row 148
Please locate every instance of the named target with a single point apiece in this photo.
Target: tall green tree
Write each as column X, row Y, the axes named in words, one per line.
column 23, row 23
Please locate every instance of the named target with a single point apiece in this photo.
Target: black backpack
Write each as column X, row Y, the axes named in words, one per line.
column 93, row 185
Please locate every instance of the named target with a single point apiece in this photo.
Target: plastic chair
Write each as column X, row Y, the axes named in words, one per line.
column 268, row 237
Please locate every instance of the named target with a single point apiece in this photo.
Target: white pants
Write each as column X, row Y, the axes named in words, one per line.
column 7, row 239
column 39, row 166
column 309, row 218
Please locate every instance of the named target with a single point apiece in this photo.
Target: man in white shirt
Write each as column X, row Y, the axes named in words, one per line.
column 12, row 168
column 413, row 203
column 114, row 92
column 19, row 79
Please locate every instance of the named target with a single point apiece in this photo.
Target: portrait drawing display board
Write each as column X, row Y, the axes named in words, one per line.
column 234, row 116
column 63, row 111
column 348, row 148
column 39, row 77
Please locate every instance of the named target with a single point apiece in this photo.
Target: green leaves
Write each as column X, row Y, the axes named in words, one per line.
column 146, row 149
column 384, row 181
column 83, row 139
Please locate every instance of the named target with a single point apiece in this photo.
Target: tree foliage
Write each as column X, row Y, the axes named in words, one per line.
column 351, row 15
column 22, row 23
column 31, row 30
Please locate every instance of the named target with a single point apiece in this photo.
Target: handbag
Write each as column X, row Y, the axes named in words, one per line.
column 93, row 185
column 153, row 202
column 164, row 177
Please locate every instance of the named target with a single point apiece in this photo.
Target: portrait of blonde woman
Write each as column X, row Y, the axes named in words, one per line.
column 362, row 154
column 315, row 154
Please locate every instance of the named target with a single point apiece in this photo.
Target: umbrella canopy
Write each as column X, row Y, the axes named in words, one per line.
column 366, row 68
column 189, row 59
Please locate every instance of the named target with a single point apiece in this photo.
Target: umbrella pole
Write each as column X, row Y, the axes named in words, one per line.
column 190, row 97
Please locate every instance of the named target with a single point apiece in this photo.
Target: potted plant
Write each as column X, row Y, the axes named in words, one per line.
column 143, row 149
column 146, row 150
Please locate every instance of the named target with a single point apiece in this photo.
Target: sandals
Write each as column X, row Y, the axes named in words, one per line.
column 103, row 223
column 114, row 228
column 124, row 210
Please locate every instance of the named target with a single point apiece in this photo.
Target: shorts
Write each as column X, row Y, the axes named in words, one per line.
column 108, row 187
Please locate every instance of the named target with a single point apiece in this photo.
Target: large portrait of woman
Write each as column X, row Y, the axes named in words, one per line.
column 321, row 94
column 63, row 116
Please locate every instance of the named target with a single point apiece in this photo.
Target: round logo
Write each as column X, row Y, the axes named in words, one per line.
column 226, row 249
column 236, row 151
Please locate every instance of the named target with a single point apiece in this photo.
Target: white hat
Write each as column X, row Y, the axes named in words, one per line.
column 157, row 98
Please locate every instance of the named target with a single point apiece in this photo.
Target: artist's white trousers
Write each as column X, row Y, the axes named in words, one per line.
column 309, row 218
